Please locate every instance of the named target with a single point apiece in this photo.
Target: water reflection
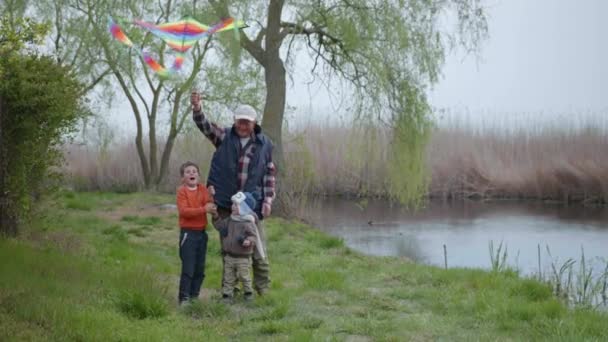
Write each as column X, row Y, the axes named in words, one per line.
column 467, row 227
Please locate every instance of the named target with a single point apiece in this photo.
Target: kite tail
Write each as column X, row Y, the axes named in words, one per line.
column 178, row 62
column 154, row 65
column 222, row 25
column 118, row 33
column 161, row 70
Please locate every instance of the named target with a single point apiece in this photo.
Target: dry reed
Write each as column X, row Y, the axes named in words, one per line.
column 339, row 159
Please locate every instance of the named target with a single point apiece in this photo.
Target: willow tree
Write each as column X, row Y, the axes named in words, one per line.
column 391, row 51
column 159, row 106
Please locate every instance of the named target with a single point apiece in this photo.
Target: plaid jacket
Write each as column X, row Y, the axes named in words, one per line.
column 216, row 135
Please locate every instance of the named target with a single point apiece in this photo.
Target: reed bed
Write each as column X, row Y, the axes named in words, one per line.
column 465, row 161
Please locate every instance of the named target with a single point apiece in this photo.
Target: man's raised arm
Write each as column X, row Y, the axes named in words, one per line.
column 211, row 130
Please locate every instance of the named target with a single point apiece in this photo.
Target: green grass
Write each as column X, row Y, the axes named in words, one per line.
column 144, row 221
column 86, row 275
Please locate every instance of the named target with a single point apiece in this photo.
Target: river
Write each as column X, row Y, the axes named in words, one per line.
column 466, row 228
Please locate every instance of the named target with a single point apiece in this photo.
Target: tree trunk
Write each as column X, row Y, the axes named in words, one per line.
column 8, row 221
column 276, row 92
column 139, row 137
column 274, row 72
column 166, row 158
column 141, row 153
column 274, row 108
column 152, row 155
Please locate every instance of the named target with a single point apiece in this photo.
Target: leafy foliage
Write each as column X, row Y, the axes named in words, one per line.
column 39, row 106
column 389, row 51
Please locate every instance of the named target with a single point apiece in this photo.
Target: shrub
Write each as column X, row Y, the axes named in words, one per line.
column 39, row 107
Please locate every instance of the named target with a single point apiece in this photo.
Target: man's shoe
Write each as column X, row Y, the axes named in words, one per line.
column 248, row 296
column 261, row 292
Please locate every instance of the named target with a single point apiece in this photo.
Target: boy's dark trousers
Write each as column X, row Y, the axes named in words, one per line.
column 192, row 252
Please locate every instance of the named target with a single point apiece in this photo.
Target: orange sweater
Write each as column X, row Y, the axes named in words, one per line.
column 191, row 207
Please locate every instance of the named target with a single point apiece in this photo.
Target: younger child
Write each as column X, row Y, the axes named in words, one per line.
column 193, row 204
column 239, row 237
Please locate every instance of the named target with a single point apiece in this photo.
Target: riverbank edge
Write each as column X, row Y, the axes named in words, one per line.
column 321, row 288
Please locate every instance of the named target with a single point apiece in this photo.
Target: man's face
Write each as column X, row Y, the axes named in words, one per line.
column 244, row 128
column 191, row 176
column 235, row 209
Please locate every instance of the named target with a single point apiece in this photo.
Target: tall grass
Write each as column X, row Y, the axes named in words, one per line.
column 498, row 256
column 577, row 282
column 464, row 160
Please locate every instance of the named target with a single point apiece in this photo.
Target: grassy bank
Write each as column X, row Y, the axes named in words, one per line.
column 104, row 266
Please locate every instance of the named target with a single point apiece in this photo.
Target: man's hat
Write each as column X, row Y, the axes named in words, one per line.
column 245, row 112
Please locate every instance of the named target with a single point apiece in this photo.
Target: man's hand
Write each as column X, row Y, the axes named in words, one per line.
column 211, row 190
column 195, row 101
column 246, row 243
column 211, row 208
column 266, row 209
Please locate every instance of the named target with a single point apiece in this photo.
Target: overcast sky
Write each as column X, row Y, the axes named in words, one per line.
column 542, row 55
column 547, row 57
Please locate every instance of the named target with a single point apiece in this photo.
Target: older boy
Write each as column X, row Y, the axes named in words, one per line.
column 193, row 204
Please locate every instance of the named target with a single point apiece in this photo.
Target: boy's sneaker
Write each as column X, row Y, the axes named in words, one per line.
column 226, row 299
column 248, row 296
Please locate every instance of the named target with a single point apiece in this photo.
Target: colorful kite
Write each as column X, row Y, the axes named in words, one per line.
column 180, row 36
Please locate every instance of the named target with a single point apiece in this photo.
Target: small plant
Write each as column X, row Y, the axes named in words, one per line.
column 129, row 218
column 582, row 287
column 139, row 232
column 149, row 221
column 141, row 304
column 271, row 328
column 584, row 282
column 116, row 232
column 211, row 309
column 143, row 221
column 324, row 279
column 328, row 242
column 498, row 257
column 311, row 323
column 562, row 287
column 77, row 204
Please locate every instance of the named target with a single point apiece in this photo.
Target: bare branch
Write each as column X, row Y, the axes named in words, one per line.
column 130, row 73
column 96, row 81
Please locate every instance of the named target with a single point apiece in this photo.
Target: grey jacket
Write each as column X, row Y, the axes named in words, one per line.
column 233, row 233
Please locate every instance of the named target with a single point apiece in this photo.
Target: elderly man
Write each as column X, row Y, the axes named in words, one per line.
column 242, row 162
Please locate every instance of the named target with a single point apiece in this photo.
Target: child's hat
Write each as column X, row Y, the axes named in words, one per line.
column 244, row 197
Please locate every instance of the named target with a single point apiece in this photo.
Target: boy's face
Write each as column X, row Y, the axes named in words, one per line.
column 235, row 209
column 190, row 177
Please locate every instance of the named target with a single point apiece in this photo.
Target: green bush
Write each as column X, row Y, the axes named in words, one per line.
column 39, row 107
